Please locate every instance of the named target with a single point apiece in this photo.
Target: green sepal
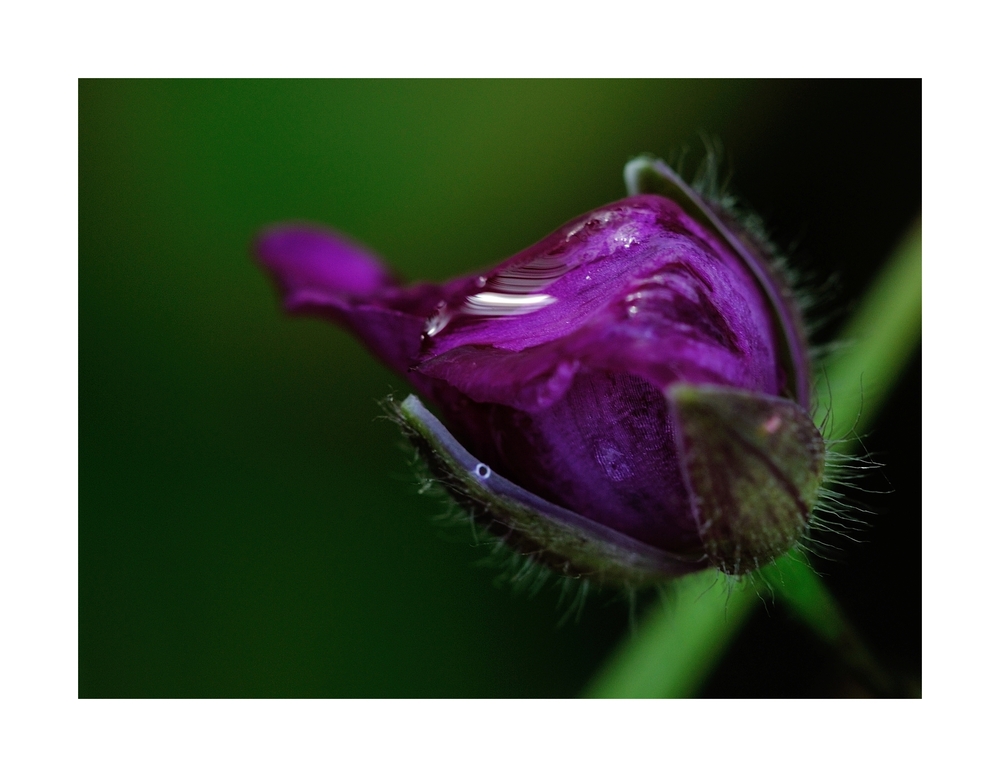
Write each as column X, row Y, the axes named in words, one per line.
column 754, row 465
column 566, row 542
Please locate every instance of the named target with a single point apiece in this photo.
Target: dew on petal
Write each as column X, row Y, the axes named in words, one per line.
column 492, row 303
column 438, row 321
column 626, row 235
column 594, row 220
column 530, row 277
column 512, row 291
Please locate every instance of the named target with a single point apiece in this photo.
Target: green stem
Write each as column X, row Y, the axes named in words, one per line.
column 676, row 647
column 878, row 341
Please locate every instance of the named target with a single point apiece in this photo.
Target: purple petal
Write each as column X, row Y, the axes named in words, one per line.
column 311, row 265
column 637, row 286
column 645, row 174
column 572, row 543
column 322, row 273
column 530, row 380
column 606, row 451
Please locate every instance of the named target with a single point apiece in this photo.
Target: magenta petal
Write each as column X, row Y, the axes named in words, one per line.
column 607, row 451
column 548, row 291
column 310, row 264
column 649, row 175
column 535, row 527
column 530, row 380
column 636, row 287
column 695, row 319
column 321, row 273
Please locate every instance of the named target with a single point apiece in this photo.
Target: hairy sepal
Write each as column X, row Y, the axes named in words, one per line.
column 754, row 466
column 568, row 543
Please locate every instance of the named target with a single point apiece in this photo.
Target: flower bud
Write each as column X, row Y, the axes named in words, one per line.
column 627, row 399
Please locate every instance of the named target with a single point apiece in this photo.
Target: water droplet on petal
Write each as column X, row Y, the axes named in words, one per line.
column 626, row 235
column 492, row 303
column 438, row 321
column 512, row 291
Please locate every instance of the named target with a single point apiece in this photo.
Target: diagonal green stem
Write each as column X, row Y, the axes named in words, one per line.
column 674, row 650
column 879, row 339
column 676, row 647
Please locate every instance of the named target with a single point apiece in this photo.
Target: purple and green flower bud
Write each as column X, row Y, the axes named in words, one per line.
column 626, row 400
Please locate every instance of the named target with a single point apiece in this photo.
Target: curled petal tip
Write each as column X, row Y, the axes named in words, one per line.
column 312, row 264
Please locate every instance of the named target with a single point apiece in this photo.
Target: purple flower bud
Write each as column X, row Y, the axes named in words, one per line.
column 626, row 399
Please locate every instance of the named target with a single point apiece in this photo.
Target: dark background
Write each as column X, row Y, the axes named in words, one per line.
column 249, row 527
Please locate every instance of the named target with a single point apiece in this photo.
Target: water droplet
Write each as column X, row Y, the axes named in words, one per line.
column 512, row 291
column 438, row 321
column 593, row 221
column 626, row 235
column 492, row 303
column 530, row 277
column 482, row 471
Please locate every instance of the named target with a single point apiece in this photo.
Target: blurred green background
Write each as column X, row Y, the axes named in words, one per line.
column 250, row 527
